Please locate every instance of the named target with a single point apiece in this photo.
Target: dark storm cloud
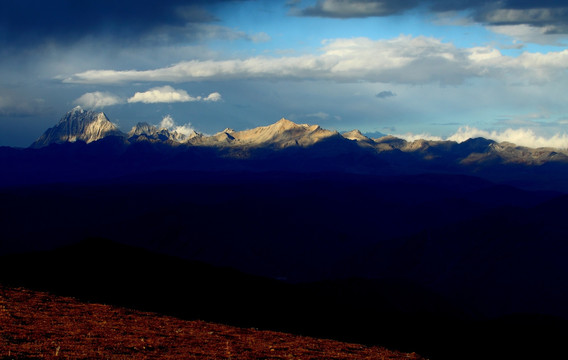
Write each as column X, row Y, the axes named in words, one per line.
column 552, row 14
column 28, row 22
column 546, row 13
column 358, row 8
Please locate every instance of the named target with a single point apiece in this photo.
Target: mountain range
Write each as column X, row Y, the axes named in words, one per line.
column 90, row 126
column 86, row 144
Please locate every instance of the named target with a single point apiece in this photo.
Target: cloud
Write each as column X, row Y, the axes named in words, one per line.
column 98, row 99
column 539, row 15
column 357, row 8
column 195, row 14
column 168, row 123
column 259, row 37
column 522, row 137
column 167, row 94
column 385, row 94
column 421, row 136
column 214, row 97
column 172, row 34
column 20, row 106
column 531, row 34
column 56, row 21
column 550, row 15
column 320, row 115
column 164, row 94
column 402, row 60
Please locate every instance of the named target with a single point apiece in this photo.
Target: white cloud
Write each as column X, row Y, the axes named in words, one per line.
column 214, row 97
column 167, row 94
column 168, row 123
column 522, row 137
column 422, row 136
column 164, row 94
column 404, row 60
column 98, row 99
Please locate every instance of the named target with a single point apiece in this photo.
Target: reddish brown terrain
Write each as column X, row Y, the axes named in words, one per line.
column 40, row 325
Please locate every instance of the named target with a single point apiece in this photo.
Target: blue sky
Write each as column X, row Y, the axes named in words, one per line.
column 434, row 68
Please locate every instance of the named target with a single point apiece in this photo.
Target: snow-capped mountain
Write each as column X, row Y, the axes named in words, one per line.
column 78, row 124
column 89, row 126
column 147, row 132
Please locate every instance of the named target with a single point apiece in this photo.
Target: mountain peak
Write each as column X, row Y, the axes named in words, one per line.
column 77, row 108
column 285, row 121
column 356, row 135
column 78, row 124
column 142, row 128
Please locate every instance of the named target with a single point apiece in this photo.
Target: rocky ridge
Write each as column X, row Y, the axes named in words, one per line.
column 78, row 124
column 89, row 126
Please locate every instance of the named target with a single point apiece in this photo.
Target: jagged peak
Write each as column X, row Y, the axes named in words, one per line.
column 353, row 132
column 77, row 108
column 286, row 124
column 143, row 128
column 78, row 114
column 285, row 121
column 78, row 124
column 356, row 135
column 142, row 124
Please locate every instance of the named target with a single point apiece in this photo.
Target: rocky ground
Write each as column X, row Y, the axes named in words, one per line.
column 40, row 325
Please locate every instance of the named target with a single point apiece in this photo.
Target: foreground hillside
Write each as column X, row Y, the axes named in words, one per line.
column 37, row 324
column 391, row 313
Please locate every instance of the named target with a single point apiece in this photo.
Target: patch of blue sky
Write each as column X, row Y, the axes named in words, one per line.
column 293, row 35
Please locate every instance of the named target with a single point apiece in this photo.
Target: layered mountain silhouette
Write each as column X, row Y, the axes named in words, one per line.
column 327, row 233
column 85, row 141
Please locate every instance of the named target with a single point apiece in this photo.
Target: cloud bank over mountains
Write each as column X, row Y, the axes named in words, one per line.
column 521, row 137
column 402, row 60
column 168, row 123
